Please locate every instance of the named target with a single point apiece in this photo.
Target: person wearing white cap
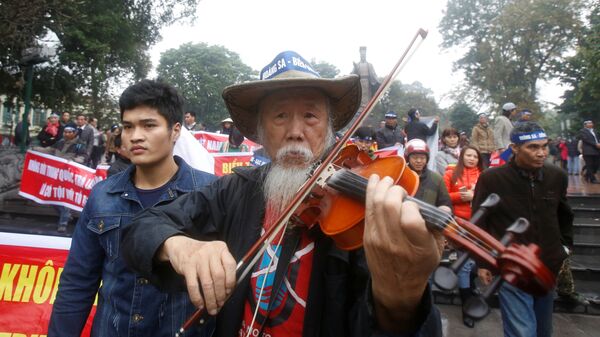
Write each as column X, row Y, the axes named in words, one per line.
column 503, row 126
column 312, row 288
column 226, row 125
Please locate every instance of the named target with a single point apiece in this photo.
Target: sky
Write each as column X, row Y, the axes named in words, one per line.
column 331, row 31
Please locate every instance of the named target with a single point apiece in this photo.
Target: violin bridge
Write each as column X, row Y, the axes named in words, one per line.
column 325, row 175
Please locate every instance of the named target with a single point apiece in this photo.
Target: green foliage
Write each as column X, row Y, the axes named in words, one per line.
column 100, row 42
column 462, row 117
column 511, row 44
column 582, row 73
column 201, row 72
column 326, row 70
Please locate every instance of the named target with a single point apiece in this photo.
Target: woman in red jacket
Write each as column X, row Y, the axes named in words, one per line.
column 460, row 182
column 461, row 179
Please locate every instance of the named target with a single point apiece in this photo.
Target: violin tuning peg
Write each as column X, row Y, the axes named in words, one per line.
column 445, row 278
column 489, row 203
column 520, row 226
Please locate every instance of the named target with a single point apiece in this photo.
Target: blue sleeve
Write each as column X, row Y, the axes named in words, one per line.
column 79, row 281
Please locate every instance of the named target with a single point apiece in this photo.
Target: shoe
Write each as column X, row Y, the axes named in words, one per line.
column 574, row 299
column 61, row 228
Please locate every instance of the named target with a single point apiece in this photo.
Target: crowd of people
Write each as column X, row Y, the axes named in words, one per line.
column 158, row 239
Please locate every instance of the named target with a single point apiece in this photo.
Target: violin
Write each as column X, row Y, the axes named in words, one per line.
column 333, row 197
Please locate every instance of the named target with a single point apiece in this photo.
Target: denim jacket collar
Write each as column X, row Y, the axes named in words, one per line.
column 184, row 181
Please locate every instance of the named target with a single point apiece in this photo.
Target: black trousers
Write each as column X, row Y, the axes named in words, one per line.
column 591, row 164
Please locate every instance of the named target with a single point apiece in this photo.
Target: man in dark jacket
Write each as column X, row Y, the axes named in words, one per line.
column 417, row 129
column 86, row 134
column 302, row 284
column 590, row 151
column 537, row 192
column 390, row 134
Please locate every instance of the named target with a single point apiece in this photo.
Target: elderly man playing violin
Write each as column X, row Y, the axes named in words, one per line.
column 301, row 285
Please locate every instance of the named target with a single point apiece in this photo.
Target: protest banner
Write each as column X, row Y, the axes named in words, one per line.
column 30, row 268
column 225, row 162
column 52, row 180
column 213, row 142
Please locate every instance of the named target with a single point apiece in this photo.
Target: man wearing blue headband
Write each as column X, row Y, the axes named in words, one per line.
column 530, row 189
column 302, row 284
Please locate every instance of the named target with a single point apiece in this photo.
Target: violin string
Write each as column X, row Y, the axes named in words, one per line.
column 451, row 225
column 351, row 183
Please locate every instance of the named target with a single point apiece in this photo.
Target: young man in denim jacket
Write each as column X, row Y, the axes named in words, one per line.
column 128, row 305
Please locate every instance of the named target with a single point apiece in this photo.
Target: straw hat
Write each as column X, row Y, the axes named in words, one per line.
column 290, row 70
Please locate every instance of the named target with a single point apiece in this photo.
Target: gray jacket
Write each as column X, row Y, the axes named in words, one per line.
column 502, row 129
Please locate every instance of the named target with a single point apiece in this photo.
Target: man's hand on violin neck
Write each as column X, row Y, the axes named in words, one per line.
column 401, row 254
column 208, row 268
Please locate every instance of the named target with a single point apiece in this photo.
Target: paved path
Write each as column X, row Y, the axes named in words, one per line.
column 565, row 325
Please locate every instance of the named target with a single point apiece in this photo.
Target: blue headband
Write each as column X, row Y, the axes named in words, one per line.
column 520, row 138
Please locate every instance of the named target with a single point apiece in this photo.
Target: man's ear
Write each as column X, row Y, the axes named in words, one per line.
column 515, row 148
column 176, row 132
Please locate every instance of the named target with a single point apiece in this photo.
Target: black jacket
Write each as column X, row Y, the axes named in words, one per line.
column 589, row 143
column 388, row 136
column 232, row 210
column 47, row 139
column 418, row 129
column 542, row 200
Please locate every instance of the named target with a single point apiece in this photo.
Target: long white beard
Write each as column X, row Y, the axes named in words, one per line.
column 283, row 181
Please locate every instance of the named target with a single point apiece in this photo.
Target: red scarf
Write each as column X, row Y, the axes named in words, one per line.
column 52, row 129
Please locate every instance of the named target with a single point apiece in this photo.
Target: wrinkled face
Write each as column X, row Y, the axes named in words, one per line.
column 451, row 140
column 69, row 134
column 147, row 136
column 81, row 120
column 53, row 119
column 483, row 119
column 470, row 158
column 531, row 155
column 294, row 118
column 189, row 119
column 418, row 162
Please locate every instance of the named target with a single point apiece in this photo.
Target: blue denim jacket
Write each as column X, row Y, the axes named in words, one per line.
column 127, row 304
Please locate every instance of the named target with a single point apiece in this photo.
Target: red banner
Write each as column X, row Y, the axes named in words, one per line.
column 225, row 162
column 52, row 180
column 213, row 142
column 30, row 268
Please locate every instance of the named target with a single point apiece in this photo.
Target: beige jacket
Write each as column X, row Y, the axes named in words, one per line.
column 483, row 138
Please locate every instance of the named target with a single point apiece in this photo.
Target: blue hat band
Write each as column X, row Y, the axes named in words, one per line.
column 287, row 61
